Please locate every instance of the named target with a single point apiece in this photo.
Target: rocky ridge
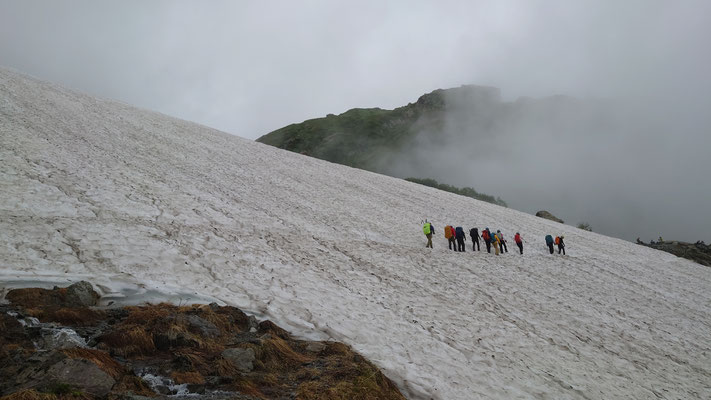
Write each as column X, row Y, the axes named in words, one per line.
column 547, row 215
column 698, row 252
column 56, row 344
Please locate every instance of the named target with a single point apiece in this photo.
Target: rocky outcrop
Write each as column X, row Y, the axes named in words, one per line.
column 698, row 252
column 55, row 345
column 547, row 215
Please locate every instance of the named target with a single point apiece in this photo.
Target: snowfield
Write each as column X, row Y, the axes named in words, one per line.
column 139, row 202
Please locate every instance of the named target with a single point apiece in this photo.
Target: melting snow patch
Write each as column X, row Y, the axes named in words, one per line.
column 163, row 385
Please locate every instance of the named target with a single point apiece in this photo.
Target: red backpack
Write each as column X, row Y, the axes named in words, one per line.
column 485, row 235
column 557, row 240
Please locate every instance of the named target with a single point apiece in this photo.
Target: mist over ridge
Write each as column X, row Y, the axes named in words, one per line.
column 617, row 164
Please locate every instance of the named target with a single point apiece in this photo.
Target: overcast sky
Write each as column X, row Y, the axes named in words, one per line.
column 249, row 67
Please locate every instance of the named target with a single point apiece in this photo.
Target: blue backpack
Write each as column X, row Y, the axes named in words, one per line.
column 549, row 239
column 460, row 232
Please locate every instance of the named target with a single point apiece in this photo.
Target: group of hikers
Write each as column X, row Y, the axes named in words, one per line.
column 457, row 239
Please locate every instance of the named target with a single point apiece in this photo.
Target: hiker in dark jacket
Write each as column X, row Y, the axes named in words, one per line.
column 474, row 235
column 549, row 243
column 461, row 237
column 561, row 245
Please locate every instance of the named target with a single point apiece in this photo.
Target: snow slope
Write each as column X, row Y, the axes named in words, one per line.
column 99, row 189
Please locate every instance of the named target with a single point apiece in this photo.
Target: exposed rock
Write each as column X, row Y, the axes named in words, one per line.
column 315, row 347
column 204, row 352
column 83, row 375
column 81, row 294
column 47, row 371
column 242, row 359
column 547, row 215
column 202, row 326
column 698, row 252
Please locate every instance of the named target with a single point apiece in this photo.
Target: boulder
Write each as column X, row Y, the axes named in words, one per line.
column 202, row 326
column 81, row 294
column 547, row 215
column 241, row 358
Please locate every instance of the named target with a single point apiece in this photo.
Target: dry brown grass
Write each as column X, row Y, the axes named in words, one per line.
column 102, row 360
column 29, row 394
column 129, row 341
column 134, row 384
column 225, row 368
column 187, row 377
column 249, row 388
column 267, row 326
column 72, row 316
column 142, row 315
column 35, row 297
column 276, row 354
column 348, row 376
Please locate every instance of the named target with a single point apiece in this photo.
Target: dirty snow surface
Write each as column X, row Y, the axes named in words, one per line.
column 99, row 190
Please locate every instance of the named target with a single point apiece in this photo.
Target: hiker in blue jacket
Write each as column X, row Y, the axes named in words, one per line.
column 549, row 242
column 459, row 231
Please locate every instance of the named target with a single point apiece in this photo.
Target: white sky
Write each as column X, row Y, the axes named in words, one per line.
column 251, row 67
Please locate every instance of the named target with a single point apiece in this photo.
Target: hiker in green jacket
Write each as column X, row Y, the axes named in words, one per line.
column 428, row 230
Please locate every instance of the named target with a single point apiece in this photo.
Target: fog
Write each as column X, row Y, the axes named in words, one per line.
column 620, row 166
column 628, row 155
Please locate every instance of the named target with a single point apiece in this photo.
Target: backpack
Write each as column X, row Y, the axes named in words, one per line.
column 517, row 238
column 549, row 239
column 460, row 232
column 448, row 231
column 474, row 233
column 426, row 228
column 485, row 234
column 557, row 240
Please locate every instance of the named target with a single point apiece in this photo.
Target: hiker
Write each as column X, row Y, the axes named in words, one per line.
column 502, row 242
column 519, row 242
column 486, row 235
column 461, row 237
column 449, row 235
column 561, row 245
column 549, row 242
column 428, row 230
column 474, row 234
column 495, row 242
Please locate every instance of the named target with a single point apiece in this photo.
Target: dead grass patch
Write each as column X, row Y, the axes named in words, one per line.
column 29, row 394
column 187, row 377
column 134, row 384
column 73, row 316
column 225, row 368
column 102, row 360
column 130, row 341
column 276, row 354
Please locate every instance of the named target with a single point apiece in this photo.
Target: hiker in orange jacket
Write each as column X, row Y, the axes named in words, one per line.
column 449, row 234
column 561, row 245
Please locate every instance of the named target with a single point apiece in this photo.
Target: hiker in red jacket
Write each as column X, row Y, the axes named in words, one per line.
column 519, row 242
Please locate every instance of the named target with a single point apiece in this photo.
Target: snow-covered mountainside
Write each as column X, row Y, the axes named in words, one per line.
column 95, row 188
